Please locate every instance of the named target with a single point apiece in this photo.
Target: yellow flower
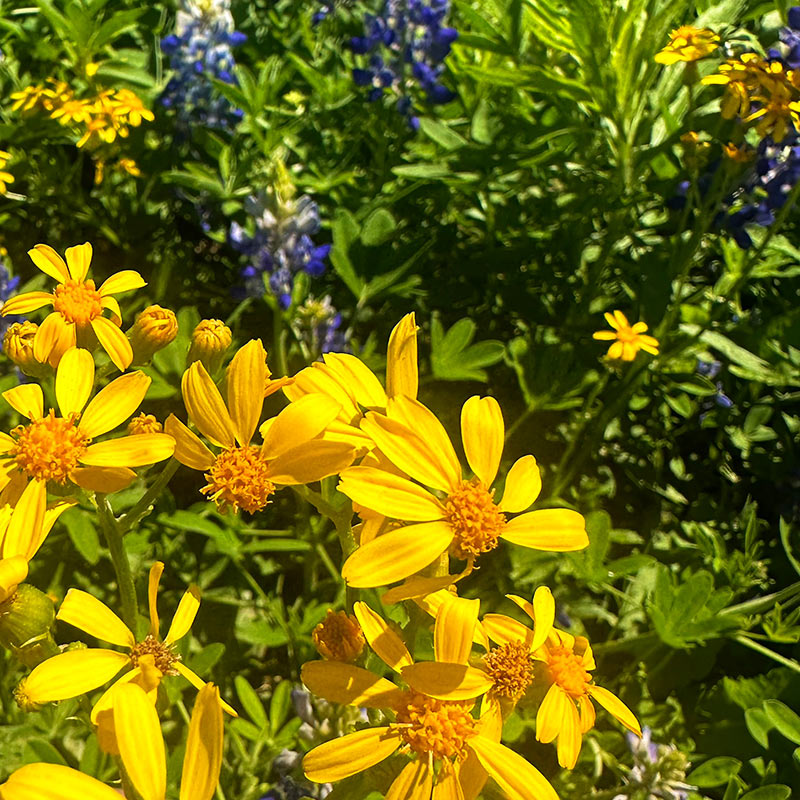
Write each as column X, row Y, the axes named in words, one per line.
column 144, row 423
column 130, row 166
column 141, row 748
column 433, row 732
column 78, row 306
column 60, row 448
column 244, row 475
column 18, row 346
column 628, row 339
column 126, row 105
column 210, row 341
column 338, row 637
column 76, row 672
column 73, row 111
column 688, row 43
column 32, row 97
column 466, row 521
column 739, row 155
column 740, row 77
column 100, row 130
column 5, row 177
column 153, row 330
column 566, row 712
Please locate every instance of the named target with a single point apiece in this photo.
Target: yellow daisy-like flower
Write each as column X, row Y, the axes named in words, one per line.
column 243, row 475
column 460, row 516
column 76, row 672
column 566, row 712
column 127, row 106
column 59, row 448
column 740, row 77
column 78, row 306
column 434, row 732
column 73, row 111
column 629, row 339
column 142, row 752
column 688, row 43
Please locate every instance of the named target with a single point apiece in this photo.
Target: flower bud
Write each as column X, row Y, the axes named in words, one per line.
column 210, row 339
column 18, row 346
column 154, row 329
column 338, row 637
column 26, row 618
column 144, row 423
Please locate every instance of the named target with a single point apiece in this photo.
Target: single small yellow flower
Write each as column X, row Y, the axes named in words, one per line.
column 127, row 105
column 742, row 154
column 210, row 341
column 144, row 423
column 73, row 111
column 741, row 78
column 566, row 712
column 18, row 346
column 78, row 306
column 460, row 517
column 628, row 339
column 688, row 43
column 130, row 166
column 338, row 637
column 243, row 475
column 153, row 330
column 141, row 749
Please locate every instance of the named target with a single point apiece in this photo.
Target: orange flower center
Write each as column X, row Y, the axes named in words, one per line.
column 239, row 478
column 476, row 520
column 626, row 334
column 511, row 668
column 78, row 302
column 567, row 670
column 338, row 637
column 164, row 658
column 144, row 423
column 49, row 448
column 438, row 727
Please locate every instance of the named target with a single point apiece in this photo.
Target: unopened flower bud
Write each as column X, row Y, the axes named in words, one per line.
column 18, row 346
column 210, row 339
column 26, row 619
column 154, row 329
column 338, row 637
column 144, row 423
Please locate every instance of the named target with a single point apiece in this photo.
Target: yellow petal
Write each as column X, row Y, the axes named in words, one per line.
column 606, row 336
column 72, row 673
column 505, row 630
column 389, row 647
column 552, row 713
column 203, row 760
column 427, row 592
column 390, row 495
column 402, row 374
column 554, row 529
column 154, row 579
column 105, row 480
column 114, row 342
column 447, row 681
column 404, row 448
column 114, row 404
column 13, row 571
column 317, row 380
column 483, row 433
column 184, row 616
column 246, row 378
column 415, row 782
column 349, row 755
column 448, row 786
column 49, row 262
column 24, row 534
column 587, row 713
column 130, row 451
column 205, row 406
column 349, row 685
column 79, row 258
column 569, row 737
column 141, row 745
column 517, row 779
column 54, row 782
column 199, row 683
column 615, row 351
column 311, row 462
column 616, row 708
column 397, row 554
column 426, row 425
column 27, row 302
column 454, row 630
column 86, row 612
column 74, row 380
column 189, row 449
column 113, row 306
column 47, row 337
column 300, row 422
column 523, row 484
column 27, row 399
column 358, row 377
column 542, row 612
column 122, row 281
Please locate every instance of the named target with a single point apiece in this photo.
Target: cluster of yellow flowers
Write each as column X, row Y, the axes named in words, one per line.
column 426, row 520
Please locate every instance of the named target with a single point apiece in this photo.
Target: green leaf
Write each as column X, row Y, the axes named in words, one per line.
column 784, row 719
column 454, row 358
column 430, row 171
column 279, row 705
column 714, row 772
column 83, row 533
column 250, row 701
column 441, row 134
column 481, row 128
column 776, row 791
column 378, row 228
column 759, row 725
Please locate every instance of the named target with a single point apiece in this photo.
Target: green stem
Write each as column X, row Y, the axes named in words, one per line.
column 765, row 651
column 278, row 343
column 145, row 503
column 119, row 558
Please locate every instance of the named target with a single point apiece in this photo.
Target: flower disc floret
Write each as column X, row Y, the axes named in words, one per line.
column 339, row 637
column 164, row 657
column 78, row 301
column 239, row 478
column 49, row 448
column 475, row 518
column 436, row 727
column 567, row 670
column 511, row 668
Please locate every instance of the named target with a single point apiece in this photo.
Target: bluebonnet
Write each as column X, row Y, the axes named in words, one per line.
column 280, row 245
column 710, row 370
column 318, row 325
column 8, row 287
column 201, row 49
column 407, row 44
